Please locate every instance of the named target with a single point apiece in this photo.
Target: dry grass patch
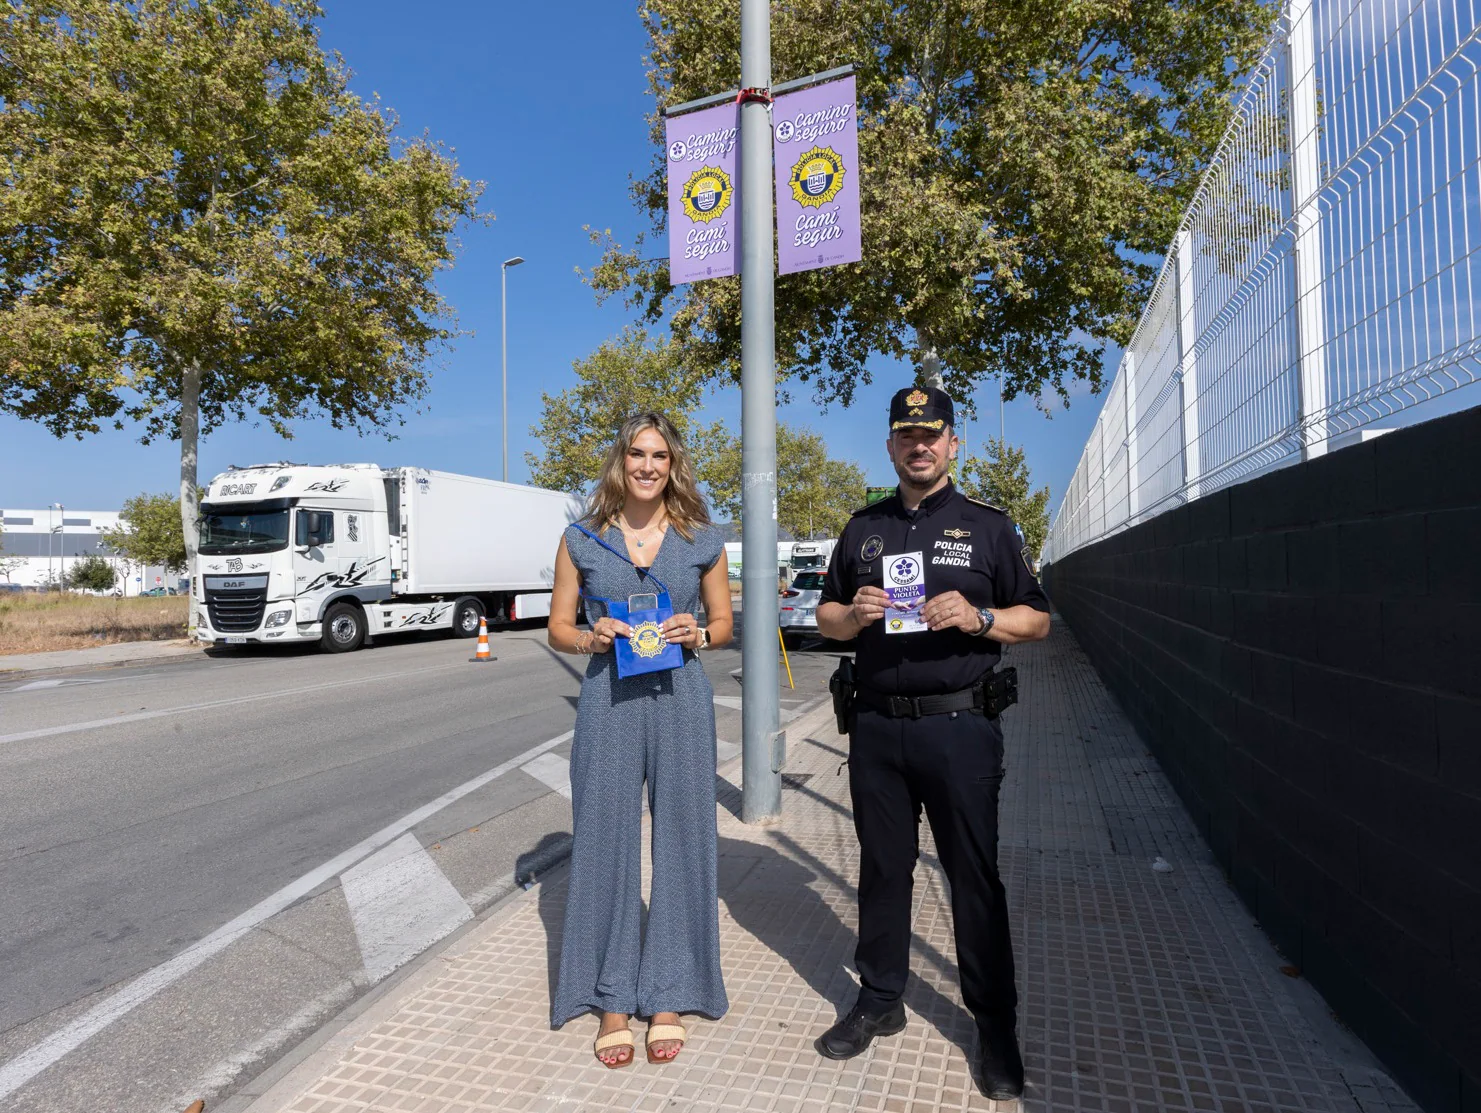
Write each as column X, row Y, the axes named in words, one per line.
column 32, row 623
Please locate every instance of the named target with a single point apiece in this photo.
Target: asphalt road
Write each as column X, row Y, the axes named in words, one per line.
column 203, row 860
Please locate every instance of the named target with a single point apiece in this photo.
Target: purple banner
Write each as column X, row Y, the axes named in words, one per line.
column 704, row 196
column 817, row 177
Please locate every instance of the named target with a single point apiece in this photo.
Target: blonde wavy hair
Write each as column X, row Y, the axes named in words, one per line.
column 681, row 498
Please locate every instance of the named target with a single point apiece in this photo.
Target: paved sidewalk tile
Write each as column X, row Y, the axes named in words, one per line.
column 1140, row 989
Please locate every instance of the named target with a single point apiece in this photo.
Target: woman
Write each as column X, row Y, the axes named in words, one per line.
column 646, row 530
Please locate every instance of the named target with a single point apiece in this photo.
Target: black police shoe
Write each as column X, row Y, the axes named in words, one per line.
column 851, row 1035
column 1000, row 1067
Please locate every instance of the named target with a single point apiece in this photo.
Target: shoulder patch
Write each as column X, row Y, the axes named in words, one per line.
column 979, row 502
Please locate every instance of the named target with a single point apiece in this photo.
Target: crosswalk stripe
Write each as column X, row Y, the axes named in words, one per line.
column 552, row 771
column 786, row 714
column 401, row 904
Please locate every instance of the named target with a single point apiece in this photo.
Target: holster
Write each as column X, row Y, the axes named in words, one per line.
column 843, row 684
column 999, row 692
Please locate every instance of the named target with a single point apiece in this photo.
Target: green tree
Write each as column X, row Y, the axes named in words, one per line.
column 1024, row 164
column 1001, row 477
column 9, row 565
column 622, row 377
column 200, row 222
column 149, row 532
column 816, row 494
column 91, row 573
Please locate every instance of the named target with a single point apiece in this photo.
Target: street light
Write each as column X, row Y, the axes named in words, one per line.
column 504, row 330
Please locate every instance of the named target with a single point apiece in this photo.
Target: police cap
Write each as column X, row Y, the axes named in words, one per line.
column 922, row 406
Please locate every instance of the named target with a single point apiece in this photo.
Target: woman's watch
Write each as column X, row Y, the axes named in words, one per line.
column 988, row 618
column 704, row 638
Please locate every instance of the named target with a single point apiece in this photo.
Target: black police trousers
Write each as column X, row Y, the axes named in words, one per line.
column 952, row 766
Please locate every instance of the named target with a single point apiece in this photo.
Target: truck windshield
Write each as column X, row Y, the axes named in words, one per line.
column 801, row 563
column 243, row 529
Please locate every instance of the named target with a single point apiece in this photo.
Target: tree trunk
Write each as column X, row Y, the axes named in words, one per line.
column 190, row 428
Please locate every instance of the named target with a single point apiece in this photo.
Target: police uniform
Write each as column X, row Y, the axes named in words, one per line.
column 906, row 753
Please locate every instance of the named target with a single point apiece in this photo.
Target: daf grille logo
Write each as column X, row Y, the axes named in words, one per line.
column 228, row 585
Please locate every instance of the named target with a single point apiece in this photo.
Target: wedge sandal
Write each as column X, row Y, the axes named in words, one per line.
column 622, row 1037
column 658, row 1033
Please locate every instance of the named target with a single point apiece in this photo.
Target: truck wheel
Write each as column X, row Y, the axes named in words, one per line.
column 466, row 613
column 344, row 628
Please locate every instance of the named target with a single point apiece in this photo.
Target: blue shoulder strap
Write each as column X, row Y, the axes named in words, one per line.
column 642, row 572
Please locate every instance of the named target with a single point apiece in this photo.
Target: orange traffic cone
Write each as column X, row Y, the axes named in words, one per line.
column 483, row 642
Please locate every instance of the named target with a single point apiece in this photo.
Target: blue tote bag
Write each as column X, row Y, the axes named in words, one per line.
column 645, row 649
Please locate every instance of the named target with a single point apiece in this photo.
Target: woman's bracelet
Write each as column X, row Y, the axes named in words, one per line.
column 583, row 642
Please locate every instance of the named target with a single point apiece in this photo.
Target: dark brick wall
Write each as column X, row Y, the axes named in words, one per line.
column 1303, row 654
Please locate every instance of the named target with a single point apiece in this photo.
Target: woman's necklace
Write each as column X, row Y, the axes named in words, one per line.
column 638, row 535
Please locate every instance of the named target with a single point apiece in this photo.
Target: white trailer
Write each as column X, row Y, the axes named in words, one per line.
column 341, row 553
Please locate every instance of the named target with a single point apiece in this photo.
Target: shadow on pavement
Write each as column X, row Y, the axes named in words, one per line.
column 552, row 850
column 775, row 899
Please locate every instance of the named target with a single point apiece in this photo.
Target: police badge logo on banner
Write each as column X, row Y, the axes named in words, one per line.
column 706, row 194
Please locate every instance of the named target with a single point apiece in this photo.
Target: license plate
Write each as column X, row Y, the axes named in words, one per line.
column 235, row 641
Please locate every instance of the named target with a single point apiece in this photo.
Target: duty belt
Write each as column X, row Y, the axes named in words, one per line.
column 913, row 707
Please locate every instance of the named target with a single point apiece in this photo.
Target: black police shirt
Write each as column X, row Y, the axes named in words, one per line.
column 967, row 546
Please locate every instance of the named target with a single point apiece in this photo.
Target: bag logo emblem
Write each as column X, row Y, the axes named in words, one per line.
column 647, row 640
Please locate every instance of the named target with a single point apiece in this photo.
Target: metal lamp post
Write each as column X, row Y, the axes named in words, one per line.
column 504, row 336
column 62, row 546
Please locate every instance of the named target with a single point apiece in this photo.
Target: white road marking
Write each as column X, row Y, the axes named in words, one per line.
column 735, row 704
column 552, row 771
column 144, row 716
column 401, row 904
column 69, row 681
column 35, row 1059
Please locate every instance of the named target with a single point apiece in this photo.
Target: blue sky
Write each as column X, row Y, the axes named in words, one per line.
column 545, row 103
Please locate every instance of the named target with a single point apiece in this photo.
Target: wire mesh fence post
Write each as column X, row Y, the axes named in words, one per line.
column 1128, row 369
column 1187, row 361
column 1311, row 325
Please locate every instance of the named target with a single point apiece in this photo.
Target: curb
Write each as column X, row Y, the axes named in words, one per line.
column 155, row 651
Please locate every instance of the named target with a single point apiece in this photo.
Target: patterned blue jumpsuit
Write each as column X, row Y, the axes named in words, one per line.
column 658, row 727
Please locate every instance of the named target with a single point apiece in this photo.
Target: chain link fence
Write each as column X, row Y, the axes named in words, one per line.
column 1322, row 284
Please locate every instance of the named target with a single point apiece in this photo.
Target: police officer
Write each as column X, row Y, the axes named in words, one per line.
column 923, row 733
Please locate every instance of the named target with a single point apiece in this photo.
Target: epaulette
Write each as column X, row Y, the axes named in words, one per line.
column 870, row 506
column 979, row 502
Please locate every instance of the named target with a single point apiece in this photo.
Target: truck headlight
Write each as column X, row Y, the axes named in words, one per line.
column 279, row 618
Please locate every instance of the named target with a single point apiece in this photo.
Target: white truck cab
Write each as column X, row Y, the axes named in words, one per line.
column 340, row 553
column 811, row 556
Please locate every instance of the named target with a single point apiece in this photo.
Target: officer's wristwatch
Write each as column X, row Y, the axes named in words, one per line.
column 988, row 618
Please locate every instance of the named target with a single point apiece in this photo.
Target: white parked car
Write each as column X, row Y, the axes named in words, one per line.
column 799, row 606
